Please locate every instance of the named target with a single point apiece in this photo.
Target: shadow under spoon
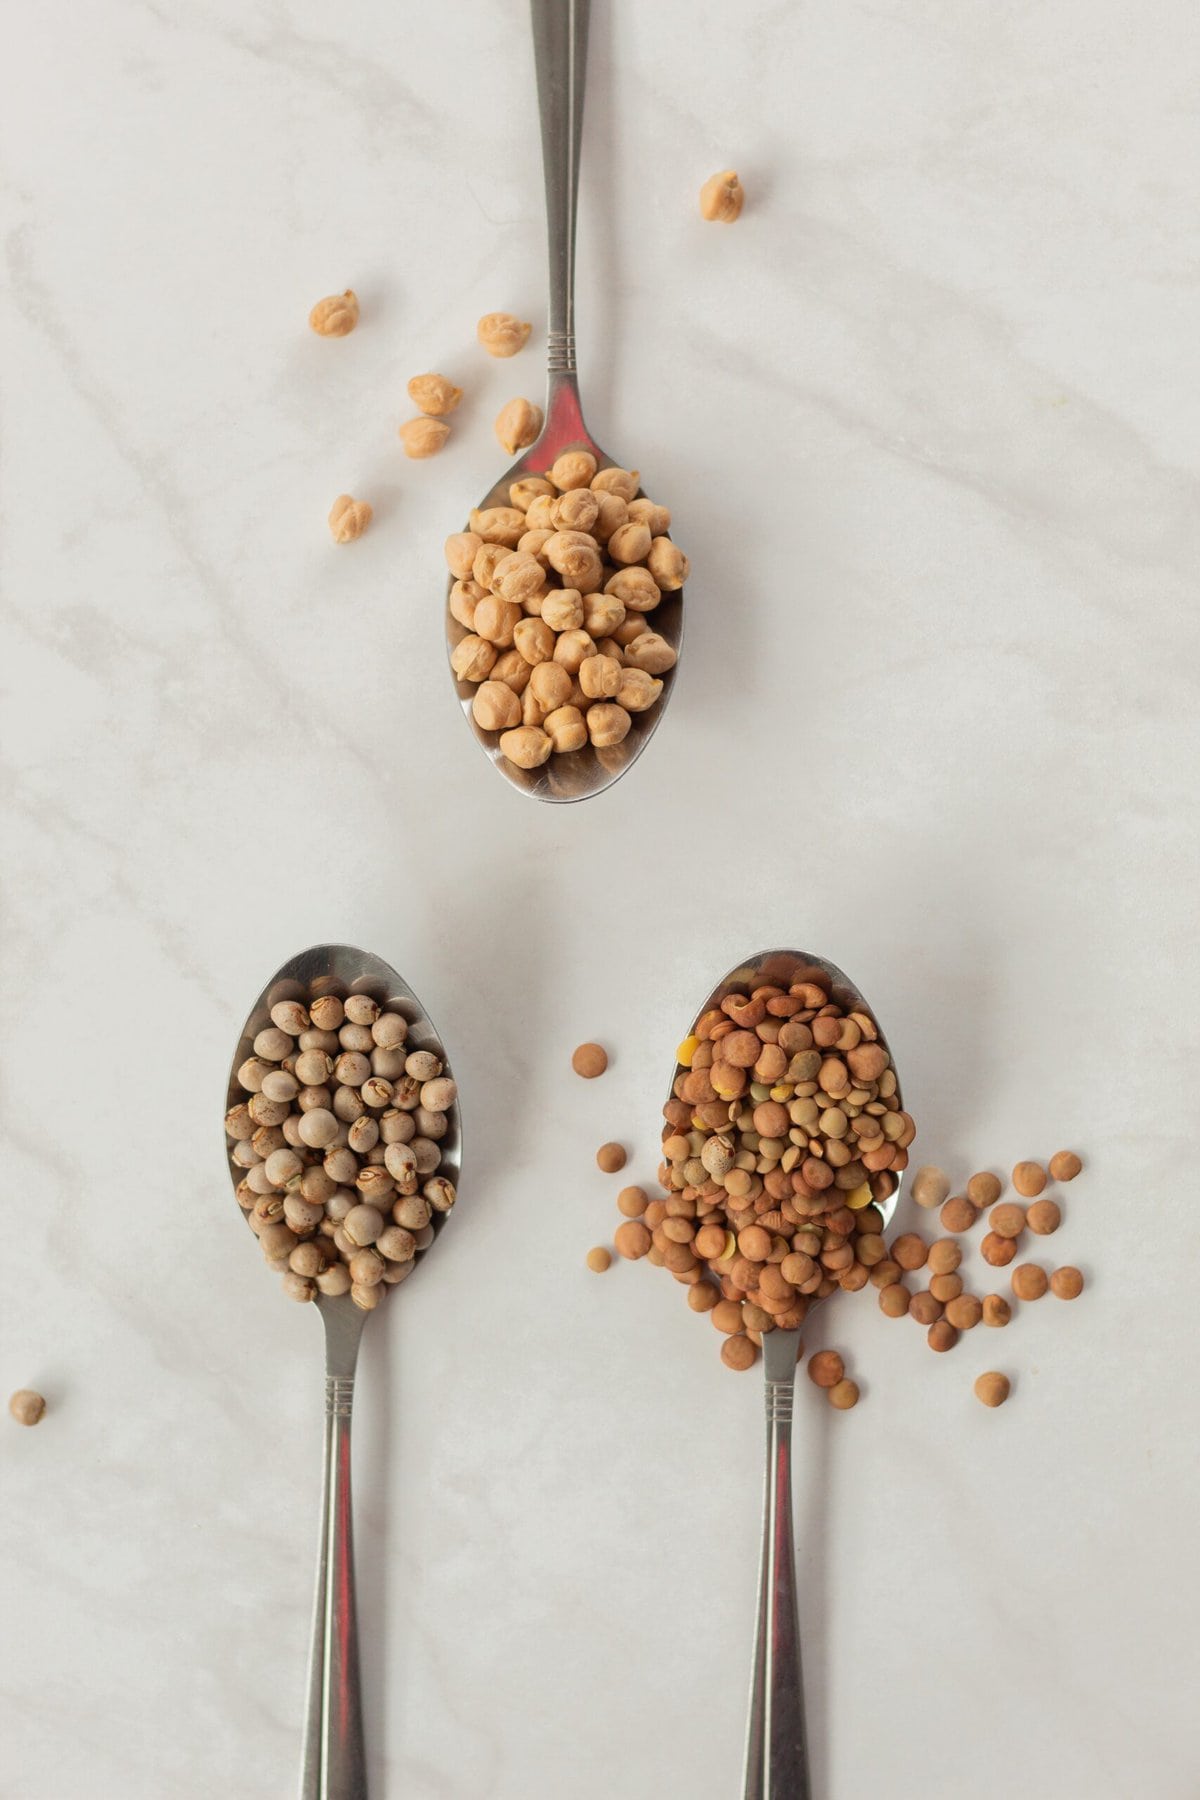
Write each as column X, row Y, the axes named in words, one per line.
column 334, row 1757
column 560, row 29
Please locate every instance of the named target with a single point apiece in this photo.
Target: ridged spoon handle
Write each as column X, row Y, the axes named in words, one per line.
column 560, row 31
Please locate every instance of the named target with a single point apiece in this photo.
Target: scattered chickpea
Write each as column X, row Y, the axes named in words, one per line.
column 434, row 395
column 958, row 1214
column 423, row 436
column 722, row 198
column 1043, row 1217
column 992, row 1388
column 610, row 1158
column 843, row 1394
column 1029, row 1178
column 349, row 518
column 598, row 1260
column 502, row 333
column 1066, row 1283
column 27, row 1406
column 336, row 315
column 589, row 1060
column 996, row 1310
column 518, row 424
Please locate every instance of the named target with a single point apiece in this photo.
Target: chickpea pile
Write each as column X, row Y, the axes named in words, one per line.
column 338, row 1138
column 783, row 1130
column 552, row 596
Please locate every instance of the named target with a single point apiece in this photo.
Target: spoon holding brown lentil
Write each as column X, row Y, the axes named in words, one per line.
column 784, row 1147
column 344, row 1145
column 565, row 607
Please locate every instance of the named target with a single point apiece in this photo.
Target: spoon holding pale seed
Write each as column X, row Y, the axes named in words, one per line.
column 334, row 1758
column 560, row 30
column 776, row 1750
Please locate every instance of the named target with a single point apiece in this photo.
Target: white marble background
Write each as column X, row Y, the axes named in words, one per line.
column 927, row 421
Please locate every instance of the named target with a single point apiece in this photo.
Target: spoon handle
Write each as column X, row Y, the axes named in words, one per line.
column 776, row 1747
column 560, row 31
column 335, row 1764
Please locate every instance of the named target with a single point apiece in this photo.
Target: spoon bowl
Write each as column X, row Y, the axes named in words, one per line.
column 776, row 1743
column 560, row 29
column 334, row 1763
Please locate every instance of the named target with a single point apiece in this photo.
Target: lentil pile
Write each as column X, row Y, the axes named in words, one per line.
column 552, row 596
column 338, row 1138
column 783, row 1130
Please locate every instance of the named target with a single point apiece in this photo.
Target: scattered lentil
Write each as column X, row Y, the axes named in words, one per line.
column 958, row 1214
column 992, row 1388
column 1065, row 1165
column 826, row 1368
column 1066, row 1283
column 1007, row 1220
column 27, row 1406
column 984, row 1189
column 941, row 1335
column 1029, row 1281
column 1029, row 1178
column 930, row 1187
column 598, row 1260
column 610, row 1158
column 589, row 1060
column 996, row 1310
column 843, row 1394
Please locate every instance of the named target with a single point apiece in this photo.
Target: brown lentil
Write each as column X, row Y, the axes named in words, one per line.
column 944, row 1256
column 1029, row 1178
column 894, row 1300
column 984, row 1189
column 737, row 1352
column 992, row 1388
column 1007, row 1220
column 843, row 1395
column 826, row 1368
column 1066, row 1283
column 590, row 1060
column 1065, row 1165
column 1043, row 1217
column 610, row 1158
column 958, row 1214
column 941, row 1335
column 924, row 1308
column 1029, row 1281
column 598, row 1260
column 996, row 1310
column 998, row 1250
column 964, row 1312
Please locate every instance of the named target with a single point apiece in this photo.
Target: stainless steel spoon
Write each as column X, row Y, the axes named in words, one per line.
column 776, row 1743
column 560, row 29
column 334, row 1762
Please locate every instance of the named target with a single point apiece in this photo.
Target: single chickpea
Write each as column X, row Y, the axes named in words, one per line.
column 563, row 609
column 512, row 669
column 1029, row 1178
column 722, row 198
column 607, row 724
column 1066, row 1283
column 576, row 510
column 637, row 691
column 667, row 563
column 623, row 482
column 566, row 729
column 992, row 1388
column 635, row 588
column 611, row 513
column 434, row 395
column 599, row 677
column 526, row 489
column 630, row 543
column 423, row 436
column 572, row 650
column 534, row 639
column 27, row 1406
column 349, row 518
column 656, row 518
column 336, row 315
column 472, row 658
column 651, row 653
column 497, row 525
column 602, row 614
column 496, row 620
column 495, row 707
column 550, row 684
column 502, row 333
column 518, row 576
column 598, row 1260
column 527, row 746
column 573, row 469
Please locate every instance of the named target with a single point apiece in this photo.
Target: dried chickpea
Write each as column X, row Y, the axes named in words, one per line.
column 996, row 1310
column 434, row 395
column 473, row 658
column 27, row 1406
column 1065, row 1165
column 992, row 1388
column 573, row 469
column 1066, row 1283
column 598, row 1260
column 566, row 729
column 826, row 1368
column 843, row 1395
column 528, row 746
column 336, row 315
column 607, row 724
column 502, row 333
column 983, row 1190
column 666, row 563
column 518, row 424
column 423, row 436
column 1029, row 1178
column 722, row 198
column 563, row 609
column 495, row 707
column 349, row 518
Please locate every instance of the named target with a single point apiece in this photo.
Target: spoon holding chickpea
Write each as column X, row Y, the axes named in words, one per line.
column 805, row 1009
column 297, row 1211
column 562, row 711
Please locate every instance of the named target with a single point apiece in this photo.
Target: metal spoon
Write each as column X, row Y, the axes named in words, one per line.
column 334, row 1764
column 776, row 1743
column 560, row 29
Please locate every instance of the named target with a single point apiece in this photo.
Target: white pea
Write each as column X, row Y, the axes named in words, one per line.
column 389, row 1030
column 364, row 1297
column 366, row 1268
column 250, row 1074
column 361, row 1009
column 340, row 1202
column 342, row 1165
column 376, row 1092
column 290, row 1016
column 245, row 1155
column 440, row 1193
column 430, row 1124
column 427, row 1154
column 298, row 1287
column 388, row 1063
column 335, row 1280
column 319, row 1040
column 317, row 1128
column 374, row 1182
column 281, row 1165
column 425, row 1237
column 356, row 1037
column 400, row 1160
column 440, row 1094
column 348, row 1104
column 423, row 1065
column 363, row 1135
column 313, row 1068
column 397, row 1127
column 363, row 1224
column 302, row 1216
column 396, row 1244
column 308, row 1097
column 279, row 1085
column 396, row 1272
column 273, row 1044
column 412, row 1211
column 352, row 1068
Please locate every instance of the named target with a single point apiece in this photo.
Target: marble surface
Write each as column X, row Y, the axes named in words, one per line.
column 927, row 422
